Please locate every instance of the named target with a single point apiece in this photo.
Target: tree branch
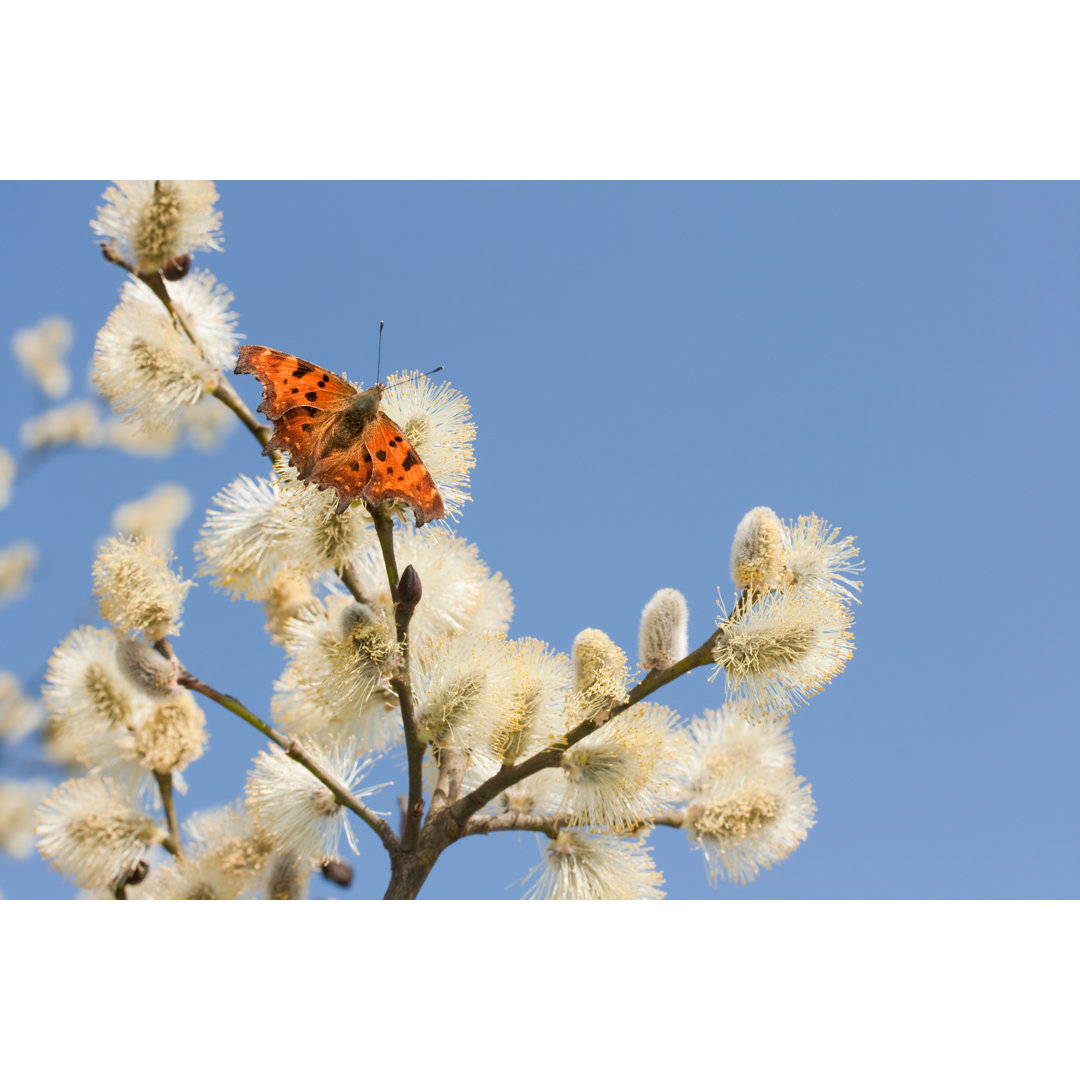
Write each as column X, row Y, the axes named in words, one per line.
column 401, row 683
column 352, row 583
column 452, row 764
column 225, row 393
column 343, row 796
column 512, row 819
column 551, row 825
column 552, row 755
column 173, row 844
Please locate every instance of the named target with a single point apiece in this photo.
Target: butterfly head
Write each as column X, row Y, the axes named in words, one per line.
column 366, row 403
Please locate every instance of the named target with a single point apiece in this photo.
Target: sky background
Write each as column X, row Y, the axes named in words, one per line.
column 646, row 362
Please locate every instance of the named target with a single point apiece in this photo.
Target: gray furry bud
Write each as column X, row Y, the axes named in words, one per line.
column 146, row 668
column 663, row 637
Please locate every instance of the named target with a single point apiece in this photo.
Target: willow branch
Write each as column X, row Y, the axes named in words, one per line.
column 513, row 819
column 414, row 749
column 225, row 393
column 452, row 763
column 172, row 843
column 401, row 683
column 552, row 755
column 551, row 825
column 341, row 794
column 352, row 583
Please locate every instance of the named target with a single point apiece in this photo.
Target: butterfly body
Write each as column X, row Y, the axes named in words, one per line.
column 337, row 436
column 354, row 417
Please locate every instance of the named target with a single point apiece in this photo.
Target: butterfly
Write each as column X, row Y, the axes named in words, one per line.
column 337, row 436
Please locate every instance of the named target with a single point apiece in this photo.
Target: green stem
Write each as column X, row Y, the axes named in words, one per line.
column 384, row 530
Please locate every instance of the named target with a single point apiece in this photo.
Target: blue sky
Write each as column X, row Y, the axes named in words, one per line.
column 645, row 363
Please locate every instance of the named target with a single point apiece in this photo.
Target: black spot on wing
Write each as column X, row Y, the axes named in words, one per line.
column 380, row 454
column 302, row 369
column 410, row 460
column 311, row 395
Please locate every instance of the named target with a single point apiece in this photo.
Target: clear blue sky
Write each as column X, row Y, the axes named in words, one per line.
column 645, row 363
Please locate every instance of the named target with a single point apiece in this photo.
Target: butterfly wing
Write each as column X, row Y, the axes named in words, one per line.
column 308, row 406
column 346, row 471
column 397, row 471
column 301, row 431
column 289, row 382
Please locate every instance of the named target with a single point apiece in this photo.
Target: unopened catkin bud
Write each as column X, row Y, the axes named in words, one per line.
column 338, row 872
column 146, row 668
column 757, row 552
column 662, row 640
column 409, row 588
column 138, row 875
column 176, row 268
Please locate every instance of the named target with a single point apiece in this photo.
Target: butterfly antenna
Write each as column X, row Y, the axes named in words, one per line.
column 378, row 366
column 402, row 382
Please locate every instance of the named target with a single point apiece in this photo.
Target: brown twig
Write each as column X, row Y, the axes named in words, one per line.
column 481, row 825
column 352, row 583
column 401, row 683
column 512, row 819
column 225, row 393
column 452, row 764
column 172, row 843
column 343, row 796
column 552, row 755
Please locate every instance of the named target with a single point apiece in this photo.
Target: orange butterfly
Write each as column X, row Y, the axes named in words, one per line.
column 336, row 435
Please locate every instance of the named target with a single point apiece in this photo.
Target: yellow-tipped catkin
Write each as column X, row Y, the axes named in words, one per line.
column 757, row 552
column 599, row 672
column 138, row 591
column 93, row 832
column 171, row 734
